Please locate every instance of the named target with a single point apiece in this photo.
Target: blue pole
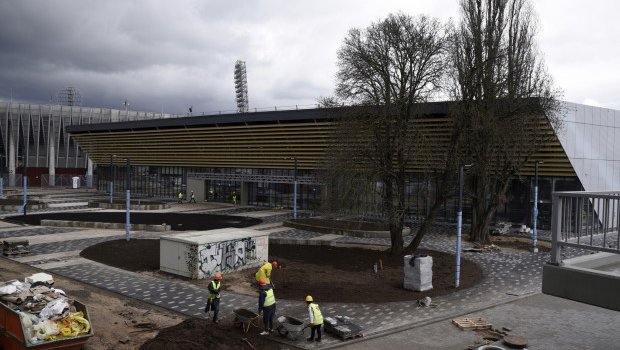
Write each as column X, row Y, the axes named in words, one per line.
column 535, row 213
column 25, row 194
column 111, row 179
column 128, row 201
column 459, row 227
column 1, row 187
column 295, row 191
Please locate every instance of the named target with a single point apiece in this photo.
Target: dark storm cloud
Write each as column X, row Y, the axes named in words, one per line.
column 172, row 55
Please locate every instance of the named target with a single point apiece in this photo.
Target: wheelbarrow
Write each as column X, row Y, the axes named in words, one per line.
column 290, row 327
column 246, row 318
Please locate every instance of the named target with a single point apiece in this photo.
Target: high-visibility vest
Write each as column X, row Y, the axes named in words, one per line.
column 216, row 286
column 316, row 314
column 270, row 299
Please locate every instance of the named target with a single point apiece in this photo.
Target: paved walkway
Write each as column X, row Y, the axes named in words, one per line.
column 508, row 276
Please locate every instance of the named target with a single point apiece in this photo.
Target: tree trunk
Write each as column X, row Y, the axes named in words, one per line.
column 426, row 225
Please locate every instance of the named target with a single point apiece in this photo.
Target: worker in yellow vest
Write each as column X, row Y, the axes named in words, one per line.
column 316, row 319
column 213, row 303
column 266, row 306
column 264, row 272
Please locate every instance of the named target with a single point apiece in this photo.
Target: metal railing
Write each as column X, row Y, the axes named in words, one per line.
column 586, row 220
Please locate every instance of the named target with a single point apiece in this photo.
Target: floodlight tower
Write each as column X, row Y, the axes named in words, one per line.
column 69, row 96
column 241, row 87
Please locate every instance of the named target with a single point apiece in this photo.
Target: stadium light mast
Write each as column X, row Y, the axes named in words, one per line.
column 241, row 87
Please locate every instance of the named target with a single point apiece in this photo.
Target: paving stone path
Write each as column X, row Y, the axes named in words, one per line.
column 508, row 275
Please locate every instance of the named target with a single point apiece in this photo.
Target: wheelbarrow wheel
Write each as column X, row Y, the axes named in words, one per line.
column 282, row 330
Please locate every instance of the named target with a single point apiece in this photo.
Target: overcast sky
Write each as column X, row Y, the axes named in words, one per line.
column 172, row 54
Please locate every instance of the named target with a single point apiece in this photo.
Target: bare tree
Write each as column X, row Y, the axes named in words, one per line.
column 385, row 72
column 504, row 99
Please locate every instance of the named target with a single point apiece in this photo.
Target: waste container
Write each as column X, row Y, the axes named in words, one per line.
column 76, row 181
column 12, row 336
column 418, row 272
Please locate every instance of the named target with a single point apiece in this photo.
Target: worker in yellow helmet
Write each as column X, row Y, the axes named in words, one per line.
column 264, row 272
column 213, row 303
column 316, row 319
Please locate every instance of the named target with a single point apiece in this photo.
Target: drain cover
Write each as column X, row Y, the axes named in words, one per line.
column 515, row 342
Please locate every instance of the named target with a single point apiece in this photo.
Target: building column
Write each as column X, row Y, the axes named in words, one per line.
column 245, row 193
column 89, row 172
column 51, row 154
column 11, row 158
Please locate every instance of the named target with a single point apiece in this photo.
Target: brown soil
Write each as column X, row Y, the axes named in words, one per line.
column 329, row 274
column 178, row 222
column 342, row 224
column 520, row 243
column 193, row 334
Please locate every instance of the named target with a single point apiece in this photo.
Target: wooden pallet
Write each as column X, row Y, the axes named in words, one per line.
column 468, row 324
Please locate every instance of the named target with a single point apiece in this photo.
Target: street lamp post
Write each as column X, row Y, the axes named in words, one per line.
column 111, row 178
column 128, row 201
column 294, row 187
column 535, row 210
column 459, row 227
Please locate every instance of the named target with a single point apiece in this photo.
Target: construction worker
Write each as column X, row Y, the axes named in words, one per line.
column 264, row 272
column 234, row 198
column 213, row 303
column 180, row 197
column 316, row 319
column 192, row 197
column 266, row 306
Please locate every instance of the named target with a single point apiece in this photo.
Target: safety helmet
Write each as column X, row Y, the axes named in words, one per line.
column 274, row 264
column 218, row 276
column 309, row 298
column 262, row 282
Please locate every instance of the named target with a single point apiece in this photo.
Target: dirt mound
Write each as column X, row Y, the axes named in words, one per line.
column 329, row 274
column 337, row 274
column 132, row 255
column 178, row 222
column 194, row 334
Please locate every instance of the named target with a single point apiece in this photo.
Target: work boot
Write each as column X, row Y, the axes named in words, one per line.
column 318, row 339
column 310, row 339
column 216, row 321
column 264, row 333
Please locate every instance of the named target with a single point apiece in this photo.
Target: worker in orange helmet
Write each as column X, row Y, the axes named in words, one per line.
column 264, row 272
column 266, row 306
column 213, row 303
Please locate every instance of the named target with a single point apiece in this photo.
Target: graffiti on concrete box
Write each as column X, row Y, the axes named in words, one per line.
column 226, row 256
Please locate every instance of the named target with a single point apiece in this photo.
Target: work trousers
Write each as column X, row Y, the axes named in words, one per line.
column 315, row 328
column 269, row 313
column 213, row 305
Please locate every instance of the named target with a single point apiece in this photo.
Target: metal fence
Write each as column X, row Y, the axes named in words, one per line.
column 586, row 220
column 66, row 180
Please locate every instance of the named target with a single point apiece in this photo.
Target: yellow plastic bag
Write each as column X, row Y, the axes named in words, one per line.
column 73, row 325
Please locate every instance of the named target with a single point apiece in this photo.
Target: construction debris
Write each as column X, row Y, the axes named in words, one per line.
column 467, row 324
column 41, row 312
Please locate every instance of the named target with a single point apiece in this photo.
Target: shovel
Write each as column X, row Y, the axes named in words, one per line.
column 245, row 340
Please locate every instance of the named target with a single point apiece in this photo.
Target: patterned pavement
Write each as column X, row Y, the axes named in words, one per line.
column 508, row 275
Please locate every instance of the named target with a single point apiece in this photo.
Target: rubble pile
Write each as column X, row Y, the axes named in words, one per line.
column 46, row 313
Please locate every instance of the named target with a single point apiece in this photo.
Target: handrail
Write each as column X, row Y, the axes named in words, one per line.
column 585, row 220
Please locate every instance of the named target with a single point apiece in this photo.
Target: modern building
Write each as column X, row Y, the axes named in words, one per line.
column 255, row 157
column 39, row 131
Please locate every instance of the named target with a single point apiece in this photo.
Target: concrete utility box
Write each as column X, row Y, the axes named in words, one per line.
column 199, row 255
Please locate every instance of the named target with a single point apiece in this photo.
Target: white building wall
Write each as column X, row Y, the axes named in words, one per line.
column 590, row 137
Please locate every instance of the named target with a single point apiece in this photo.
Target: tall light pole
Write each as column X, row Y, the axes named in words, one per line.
column 459, row 227
column 294, row 187
column 128, row 200
column 535, row 209
column 26, row 178
column 111, row 178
